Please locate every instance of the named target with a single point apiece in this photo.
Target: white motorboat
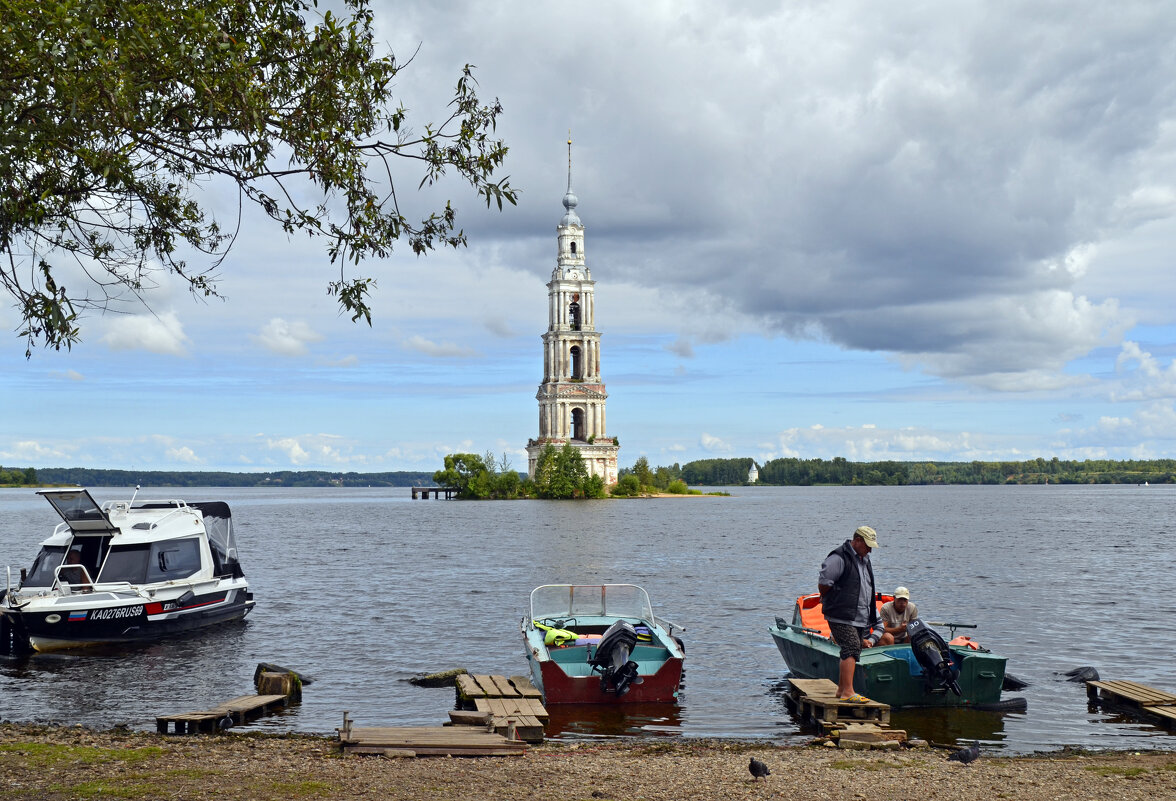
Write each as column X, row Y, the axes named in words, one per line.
column 124, row 571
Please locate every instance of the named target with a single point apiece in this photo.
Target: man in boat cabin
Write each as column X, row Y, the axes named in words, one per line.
column 846, row 585
column 895, row 616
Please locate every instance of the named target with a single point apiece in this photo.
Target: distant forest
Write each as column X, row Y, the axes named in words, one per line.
column 705, row 472
column 85, row 477
column 841, row 472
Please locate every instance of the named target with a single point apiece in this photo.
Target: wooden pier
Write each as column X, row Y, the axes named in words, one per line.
column 817, row 699
column 511, row 707
column 424, row 492
column 276, row 687
column 849, row 725
column 426, row 741
column 231, row 713
column 1145, row 701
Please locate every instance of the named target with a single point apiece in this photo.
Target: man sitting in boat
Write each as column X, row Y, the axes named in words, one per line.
column 846, row 585
column 895, row 616
column 73, row 572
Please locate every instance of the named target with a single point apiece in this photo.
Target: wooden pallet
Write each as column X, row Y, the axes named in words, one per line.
column 817, row 699
column 1145, row 700
column 511, row 707
column 426, row 741
column 235, row 711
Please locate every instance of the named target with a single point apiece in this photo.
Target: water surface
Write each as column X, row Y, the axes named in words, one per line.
column 362, row 589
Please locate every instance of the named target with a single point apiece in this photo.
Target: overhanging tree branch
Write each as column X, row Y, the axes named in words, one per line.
column 113, row 114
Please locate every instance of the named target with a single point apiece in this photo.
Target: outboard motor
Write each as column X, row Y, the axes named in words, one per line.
column 611, row 660
column 934, row 656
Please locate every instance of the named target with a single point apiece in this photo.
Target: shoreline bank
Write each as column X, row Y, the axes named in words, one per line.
column 59, row 762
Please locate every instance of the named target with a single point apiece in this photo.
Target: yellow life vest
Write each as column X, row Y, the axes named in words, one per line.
column 554, row 636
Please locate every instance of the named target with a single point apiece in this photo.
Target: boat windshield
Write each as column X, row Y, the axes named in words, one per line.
column 147, row 563
column 592, row 600
column 44, row 566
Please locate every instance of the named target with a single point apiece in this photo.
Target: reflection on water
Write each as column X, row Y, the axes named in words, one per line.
column 583, row 720
column 363, row 589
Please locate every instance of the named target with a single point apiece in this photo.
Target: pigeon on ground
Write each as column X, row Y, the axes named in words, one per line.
column 758, row 769
column 965, row 755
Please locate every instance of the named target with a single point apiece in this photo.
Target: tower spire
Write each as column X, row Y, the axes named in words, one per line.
column 569, row 159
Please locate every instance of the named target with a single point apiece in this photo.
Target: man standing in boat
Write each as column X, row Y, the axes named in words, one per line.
column 846, row 585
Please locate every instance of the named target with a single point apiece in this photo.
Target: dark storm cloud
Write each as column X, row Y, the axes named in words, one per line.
column 921, row 179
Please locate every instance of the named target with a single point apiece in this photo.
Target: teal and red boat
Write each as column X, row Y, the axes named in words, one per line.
column 898, row 675
column 601, row 644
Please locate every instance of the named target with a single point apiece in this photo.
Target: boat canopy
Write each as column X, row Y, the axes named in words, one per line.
column 218, row 522
column 590, row 600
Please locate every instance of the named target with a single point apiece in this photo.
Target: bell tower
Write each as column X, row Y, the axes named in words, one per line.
column 571, row 397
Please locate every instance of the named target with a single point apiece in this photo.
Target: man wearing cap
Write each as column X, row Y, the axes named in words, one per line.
column 895, row 616
column 846, row 585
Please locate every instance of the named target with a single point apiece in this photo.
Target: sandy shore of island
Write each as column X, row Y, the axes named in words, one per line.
column 72, row 762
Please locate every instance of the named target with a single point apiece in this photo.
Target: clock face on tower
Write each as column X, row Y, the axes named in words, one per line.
column 574, row 274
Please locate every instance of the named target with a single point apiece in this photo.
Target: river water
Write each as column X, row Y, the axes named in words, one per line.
column 361, row 589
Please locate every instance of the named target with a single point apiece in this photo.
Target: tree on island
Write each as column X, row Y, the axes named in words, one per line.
column 477, row 477
column 116, row 117
column 562, row 474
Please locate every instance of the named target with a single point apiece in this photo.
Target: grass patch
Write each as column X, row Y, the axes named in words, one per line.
column 1112, row 770
column 45, row 755
column 112, row 788
column 303, row 789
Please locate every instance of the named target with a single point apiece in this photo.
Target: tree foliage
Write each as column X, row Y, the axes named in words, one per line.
column 480, row 477
column 115, row 116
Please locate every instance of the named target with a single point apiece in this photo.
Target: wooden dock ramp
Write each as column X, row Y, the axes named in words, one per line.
column 426, row 741
column 233, row 712
column 510, row 706
column 850, row 725
column 817, row 699
column 1148, row 702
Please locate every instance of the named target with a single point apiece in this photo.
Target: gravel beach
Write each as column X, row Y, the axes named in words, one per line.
column 72, row 762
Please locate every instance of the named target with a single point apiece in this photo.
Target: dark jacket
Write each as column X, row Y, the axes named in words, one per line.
column 840, row 601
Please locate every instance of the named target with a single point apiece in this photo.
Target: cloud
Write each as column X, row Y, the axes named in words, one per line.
column 713, row 444
column 182, row 454
column 34, row 452
column 158, row 333
column 444, row 350
column 286, row 338
column 681, row 347
column 1143, row 376
column 293, row 450
column 70, row 375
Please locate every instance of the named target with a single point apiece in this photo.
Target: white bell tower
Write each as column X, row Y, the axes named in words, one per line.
column 571, row 397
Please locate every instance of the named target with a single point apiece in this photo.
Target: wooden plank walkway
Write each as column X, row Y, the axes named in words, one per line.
column 426, row 741
column 817, row 698
column 1140, row 698
column 511, row 706
column 234, row 712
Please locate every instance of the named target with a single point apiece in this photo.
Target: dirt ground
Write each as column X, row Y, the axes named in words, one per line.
column 76, row 763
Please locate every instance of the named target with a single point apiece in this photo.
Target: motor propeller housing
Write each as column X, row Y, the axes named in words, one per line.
column 934, row 656
column 617, row 672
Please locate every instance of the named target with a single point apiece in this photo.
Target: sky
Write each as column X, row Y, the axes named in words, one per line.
column 912, row 231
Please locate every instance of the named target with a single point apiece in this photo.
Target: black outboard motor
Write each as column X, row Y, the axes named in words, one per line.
column 934, row 655
column 617, row 671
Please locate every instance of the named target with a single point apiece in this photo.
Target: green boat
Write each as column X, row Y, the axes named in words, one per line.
column 891, row 674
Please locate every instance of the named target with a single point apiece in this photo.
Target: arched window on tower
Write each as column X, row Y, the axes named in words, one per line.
column 578, row 424
column 574, row 314
column 573, row 248
column 577, row 363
